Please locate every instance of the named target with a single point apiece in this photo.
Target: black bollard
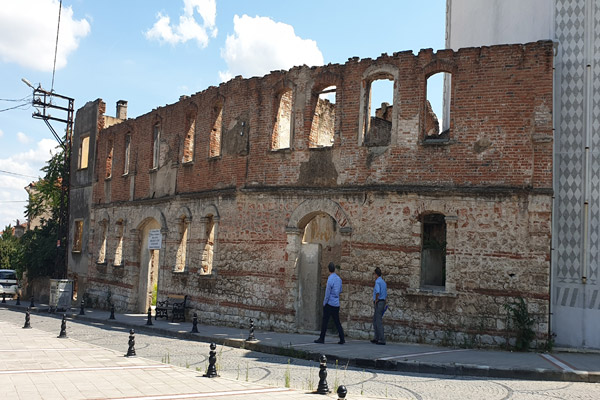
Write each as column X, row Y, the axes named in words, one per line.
column 31, row 303
column 63, row 327
column 323, row 388
column 251, row 337
column 3, row 297
column 342, row 392
column 27, row 320
column 81, row 310
column 211, row 372
column 112, row 312
column 18, row 299
column 131, row 349
column 195, row 323
column 149, row 322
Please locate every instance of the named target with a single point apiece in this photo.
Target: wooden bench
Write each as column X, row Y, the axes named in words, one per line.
column 174, row 304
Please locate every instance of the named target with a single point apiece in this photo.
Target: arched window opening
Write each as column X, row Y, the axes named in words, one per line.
column 119, row 249
column 208, row 251
column 180, row 261
column 109, row 160
column 126, row 155
column 323, row 123
column 433, row 251
column 380, row 105
column 155, row 146
column 215, row 133
column 188, row 143
column 103, row 240
column 437, row 106
column 282, row 131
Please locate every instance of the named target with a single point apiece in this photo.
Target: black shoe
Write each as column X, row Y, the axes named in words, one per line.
column 381, row 343
column 341, row 342
column 374, row 341
column 319, row 341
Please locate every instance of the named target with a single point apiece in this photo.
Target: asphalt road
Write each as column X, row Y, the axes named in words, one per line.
column 280, row 371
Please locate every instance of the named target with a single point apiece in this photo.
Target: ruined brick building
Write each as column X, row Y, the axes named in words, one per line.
column 257, row 184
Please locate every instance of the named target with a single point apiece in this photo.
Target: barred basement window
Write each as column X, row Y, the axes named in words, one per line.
column 433, row 251
column 282, row 130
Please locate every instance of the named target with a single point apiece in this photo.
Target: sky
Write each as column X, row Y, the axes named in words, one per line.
column 150, row 52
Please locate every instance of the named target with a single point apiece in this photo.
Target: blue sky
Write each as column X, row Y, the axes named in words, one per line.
column 150, row 52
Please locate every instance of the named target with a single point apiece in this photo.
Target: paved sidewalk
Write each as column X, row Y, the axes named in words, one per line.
column 38, row 365
column 426, row 359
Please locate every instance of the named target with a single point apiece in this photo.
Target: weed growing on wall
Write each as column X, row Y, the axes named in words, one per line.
column 522, row 322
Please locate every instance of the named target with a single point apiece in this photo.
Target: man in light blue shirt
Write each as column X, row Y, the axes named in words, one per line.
column 331, row 305
column 379, row 299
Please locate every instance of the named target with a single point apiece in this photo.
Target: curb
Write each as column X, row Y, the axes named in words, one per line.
column 416, row 367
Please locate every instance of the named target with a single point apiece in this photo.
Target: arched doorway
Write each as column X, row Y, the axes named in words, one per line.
column 316, row 230
column 149, row 265
column 321, row 244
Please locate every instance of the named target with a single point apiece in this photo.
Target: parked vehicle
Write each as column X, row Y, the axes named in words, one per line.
column 8, row 282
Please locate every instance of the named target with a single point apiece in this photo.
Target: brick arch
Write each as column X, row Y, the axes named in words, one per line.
column 439, row 66
column 210, row 210
column 185, row 212
column 308, row 209
column 151, row 213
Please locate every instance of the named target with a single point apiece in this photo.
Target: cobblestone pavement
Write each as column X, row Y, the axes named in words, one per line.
column 241, row 366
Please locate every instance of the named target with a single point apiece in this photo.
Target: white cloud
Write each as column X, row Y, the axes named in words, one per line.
column 260, row 45
column 1, row 133
column 188, row 28
column 13, row 196
column 23, row 138
column 28, row 33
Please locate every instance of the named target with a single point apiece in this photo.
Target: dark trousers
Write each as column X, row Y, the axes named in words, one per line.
column 331, row 311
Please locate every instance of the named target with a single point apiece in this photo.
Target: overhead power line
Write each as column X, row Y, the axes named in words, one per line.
column 17, row 106
column 14, row 173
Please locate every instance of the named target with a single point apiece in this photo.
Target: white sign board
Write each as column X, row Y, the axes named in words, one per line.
column 61, row 293
column 154, row 239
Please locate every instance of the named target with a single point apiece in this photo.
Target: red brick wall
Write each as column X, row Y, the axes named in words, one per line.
column 496, row 92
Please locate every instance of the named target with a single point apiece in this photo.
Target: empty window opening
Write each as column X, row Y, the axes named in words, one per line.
column 126, row 156
column 282, row 131
column 188, row 143
column 119, row 249
column 433, row 251
column 215, row 133
column 208, row 251
column 109, row 160
column 155, row 146
column 323, row 123
column 380, row 105
column 103, row 239
column 84, row 149
column 77, row 236
column 437, row 106
column 182, row 247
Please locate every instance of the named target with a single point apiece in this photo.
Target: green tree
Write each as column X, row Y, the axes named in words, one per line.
column 44, row 247
column 11, row 251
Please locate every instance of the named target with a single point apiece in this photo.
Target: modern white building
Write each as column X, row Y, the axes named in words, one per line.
column 575, row 27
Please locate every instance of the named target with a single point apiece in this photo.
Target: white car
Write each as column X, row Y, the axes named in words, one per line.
column 8, row 282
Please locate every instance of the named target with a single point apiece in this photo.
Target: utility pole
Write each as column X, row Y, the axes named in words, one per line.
column 44, row 102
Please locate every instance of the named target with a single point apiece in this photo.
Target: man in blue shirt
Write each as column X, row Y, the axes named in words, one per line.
column 331, row 305
column 379, row 297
